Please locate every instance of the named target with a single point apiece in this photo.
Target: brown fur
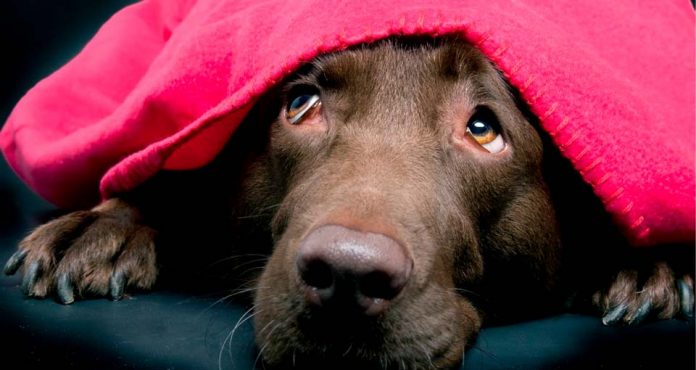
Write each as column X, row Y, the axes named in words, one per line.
column 384, row 156
column 89, row 247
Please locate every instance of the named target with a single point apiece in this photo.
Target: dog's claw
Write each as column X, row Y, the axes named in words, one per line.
column 15, row 262
column 65, row 289
column 641, row 313
column 117, row 285
column 614, row 315
column 686, row 297
column 30, row 277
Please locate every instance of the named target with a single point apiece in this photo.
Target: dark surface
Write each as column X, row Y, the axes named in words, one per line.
column 38, row 36
column 176, row 329
column 168, row 329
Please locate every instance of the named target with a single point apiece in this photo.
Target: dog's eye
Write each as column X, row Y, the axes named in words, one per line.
column 482, row 127
column 300, row 106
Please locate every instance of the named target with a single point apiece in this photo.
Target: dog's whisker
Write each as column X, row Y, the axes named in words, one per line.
column 246, row 316
column 263, row 347
column 383, row 361
column 266, row 326
column 261, row 212
column 218, row 301
column 250, row 262
column 267, row 340
column 231, row 295
column 252, row 269
column 250, row 284
column 466, row 291
column 488, row 354
column 347, row 350
column 222, row 349
column 427, row 355
column 231, row 258
column 272, row 206
column 243, row 291
column 251, row 273
column 254, row 216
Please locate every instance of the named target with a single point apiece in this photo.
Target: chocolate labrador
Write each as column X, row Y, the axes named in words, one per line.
column 403, row 195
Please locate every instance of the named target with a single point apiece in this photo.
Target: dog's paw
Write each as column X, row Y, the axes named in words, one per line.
column 99, row 252
column 630, row 299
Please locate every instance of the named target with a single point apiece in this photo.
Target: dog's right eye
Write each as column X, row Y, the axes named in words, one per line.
column 301, row 106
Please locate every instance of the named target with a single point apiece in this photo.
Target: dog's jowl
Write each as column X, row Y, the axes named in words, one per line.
column 400, row 192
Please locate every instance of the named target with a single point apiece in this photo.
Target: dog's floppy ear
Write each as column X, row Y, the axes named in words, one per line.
column 577, row 206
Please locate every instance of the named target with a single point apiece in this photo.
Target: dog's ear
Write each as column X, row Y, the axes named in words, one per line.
column 578, row 210
column 576, row 205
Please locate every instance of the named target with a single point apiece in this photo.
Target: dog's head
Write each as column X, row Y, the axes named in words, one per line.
column 408, row 184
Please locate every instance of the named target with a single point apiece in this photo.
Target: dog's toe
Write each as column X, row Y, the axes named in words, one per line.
column 686, row 296
column 65, row 289
column 614, row 315
column 639, row 312
column 15, row 262
column 31, row 276
column 660, row 296
column 619, row 302
column 117, row 284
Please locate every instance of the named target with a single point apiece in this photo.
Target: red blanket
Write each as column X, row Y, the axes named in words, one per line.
column 164, row 84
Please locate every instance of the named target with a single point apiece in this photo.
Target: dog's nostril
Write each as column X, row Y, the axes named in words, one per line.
column 346, row 269
column 379, row 284
column 316, row 274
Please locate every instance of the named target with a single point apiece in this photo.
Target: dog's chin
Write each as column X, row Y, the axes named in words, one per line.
column 374, row 353
column 384, row 361
column 310, row 341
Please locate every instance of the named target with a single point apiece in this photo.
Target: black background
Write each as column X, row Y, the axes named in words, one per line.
column 38, row 36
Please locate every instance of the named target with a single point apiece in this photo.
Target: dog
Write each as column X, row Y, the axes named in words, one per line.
column 404, row 196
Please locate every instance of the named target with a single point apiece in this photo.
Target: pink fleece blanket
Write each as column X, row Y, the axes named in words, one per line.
column 164, row 83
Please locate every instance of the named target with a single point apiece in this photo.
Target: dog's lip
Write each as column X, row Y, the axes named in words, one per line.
column 375, row 306
column 357, row 355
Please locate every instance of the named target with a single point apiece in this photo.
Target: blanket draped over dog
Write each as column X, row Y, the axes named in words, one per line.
column 164, row 83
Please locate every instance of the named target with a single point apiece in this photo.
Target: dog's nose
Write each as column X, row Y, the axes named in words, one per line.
column 347, row 269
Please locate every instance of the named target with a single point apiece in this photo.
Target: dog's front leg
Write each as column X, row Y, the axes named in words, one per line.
column 100, row 252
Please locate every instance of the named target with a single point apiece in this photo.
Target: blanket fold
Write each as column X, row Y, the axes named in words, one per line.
column 164, row 83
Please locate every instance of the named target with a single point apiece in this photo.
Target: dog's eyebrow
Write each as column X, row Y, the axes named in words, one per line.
column 488, row 85
column 457, row 61
column 304, row 76
column 482, row 91
column 324, row 72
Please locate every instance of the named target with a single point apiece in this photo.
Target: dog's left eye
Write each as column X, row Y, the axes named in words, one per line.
column 300, row 106
column 482, row 127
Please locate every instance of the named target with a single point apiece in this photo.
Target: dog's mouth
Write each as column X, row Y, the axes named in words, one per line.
column 316, row 340
column 302, row 326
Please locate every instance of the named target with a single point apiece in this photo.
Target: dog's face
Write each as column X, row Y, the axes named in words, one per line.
column 405, row 176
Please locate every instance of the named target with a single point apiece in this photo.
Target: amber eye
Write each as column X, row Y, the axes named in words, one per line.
column 300, row 106
column 482, row 127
